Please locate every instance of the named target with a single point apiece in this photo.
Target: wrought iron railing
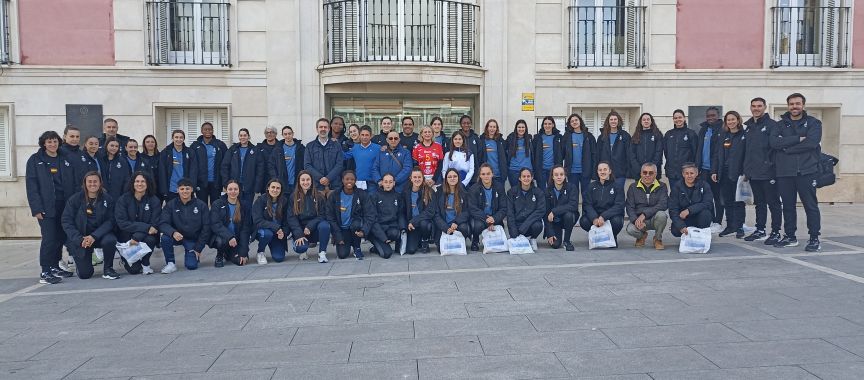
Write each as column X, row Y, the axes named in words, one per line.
column 188, row 33
column 5, row 35
column 443, row 31
column 810, row 36
column 607, row 36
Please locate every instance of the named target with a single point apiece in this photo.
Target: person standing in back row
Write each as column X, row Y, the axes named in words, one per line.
column 797, row 144
column 679, row 145
column 760, row 172
column 323, row 158
column 209, row 152
column 709, row 133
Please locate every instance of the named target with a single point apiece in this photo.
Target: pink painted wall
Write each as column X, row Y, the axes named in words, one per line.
column 858, row 36
column 724, row 34
column 66, row 32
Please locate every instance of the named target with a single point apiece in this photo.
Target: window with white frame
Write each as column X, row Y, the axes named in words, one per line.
column 189, row 120
column 811, row 33
column 595, row 116
column 188, row 32
column 607, row 33
column 5, row 143
column 5, row 33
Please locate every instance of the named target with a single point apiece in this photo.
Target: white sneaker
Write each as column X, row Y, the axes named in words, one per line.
column 533, row 244
column 169, row 268
column 322, row 257
column 262, row 260
column 304, row 256
column 716, row 228
column 99, row 256
column 63, row 266
column 145, row 269
column 748, row 229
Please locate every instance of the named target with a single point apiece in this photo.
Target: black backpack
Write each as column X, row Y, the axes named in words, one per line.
column 825, row 176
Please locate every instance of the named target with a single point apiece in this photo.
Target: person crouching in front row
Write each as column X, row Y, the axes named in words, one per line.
column 185, row 221
column 88, row 221
column 231, row 226
column 646, row 206
column 691, row 203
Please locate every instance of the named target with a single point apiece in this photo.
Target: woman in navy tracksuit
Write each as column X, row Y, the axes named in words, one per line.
column 390, row 209
column 562, row 209
column 231, row 227
column 149, row 155
column 137, row 215
column 245, row 163
column 438, row 134
column 88, row 221
column 546, row 151
column 487, row 204
column 518, row 151
column 352, row 217
column 726, row 165
column 286, row 160
column 646, row 146
column 51, row 178
column 613, row 146
column 268, row 215
column 493, row 151
column 679, row 145
column 417, row 197
column 451, row 206
column 185, row 221
column 603, row 202
column 306, row 218
column 580, row 153
column 176, row 162
column 116, row 172
column 526, row 206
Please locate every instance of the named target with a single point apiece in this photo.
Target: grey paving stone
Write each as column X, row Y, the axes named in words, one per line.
column 413, row 313
column 232, row 339
column 558, row 341
column 299, row 292
column 559, row 292
column 704, row 314
column 472, row 326
column 836, row 371
column 465, row 262
column 337, row 283
column 445, row 287
column 225, row 322
column 552, row 258
column 738, row 297
column 776, row 282
column 346, row 267
column 761, row 373
column 821, row 327
column 406, row 369
column 421, row 348
column 356, row 332
column 95, row 347
column 847, row 290
column 310, row 269
column 156, row 364
column 629, row 361
column 255, row 358
column 589, row 320
column 12, row 285
column 534, row 366
column 492, row 309
column 677, row 335
column 626, row 302
column 639, row 376
column 502, row 260
column 326, row 304
column 657, row 288
column 462, row 297
column 775, row 353
column 421, row 262
column 71, row 332
column 498, row 281
column 38, row 369
column 389, row 266
column 292, row 305
column 177, row 312
column 282, row 320
column 853, row 344
column 20, row 351
column 579, row 278
column 254, row 374
column 818, row 308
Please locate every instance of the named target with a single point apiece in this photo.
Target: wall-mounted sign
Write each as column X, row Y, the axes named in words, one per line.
column 528, row 101
column 87, row 117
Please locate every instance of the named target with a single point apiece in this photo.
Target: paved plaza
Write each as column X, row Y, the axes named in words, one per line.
column 745, row 311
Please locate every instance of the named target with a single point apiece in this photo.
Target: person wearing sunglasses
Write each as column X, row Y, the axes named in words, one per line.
column 394, row 159
column 646, row 207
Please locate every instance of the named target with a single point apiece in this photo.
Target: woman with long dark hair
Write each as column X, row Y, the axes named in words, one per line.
column 613, row 146
column 116, row 173
column 727, row 162
column 137, row 215
column 603, row 202
column 562, row 209
column 437, row 126
column 493, row 151
column 176, row 162
column 149, row 154
column 245, row 163
column 231, row 225
column 306, row 218
column 451, row 206
column 459, row 158
column 417, row 197
column 526, row 206
column 268, row 213
column 679, row 145
column 487, row 203
column 88, row 221
column 580, row 152
column 51, row 178
column 547, row 151
column 646, row 146
column 519, row 151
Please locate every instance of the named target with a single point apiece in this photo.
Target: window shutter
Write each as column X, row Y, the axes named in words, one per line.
column 467, row 37
column 5, row 148
column 161, row 33
column 633, row 19
column 174, row 121
column 452, row 33
column 829, row 33
column 224, row 127
column 192, row 121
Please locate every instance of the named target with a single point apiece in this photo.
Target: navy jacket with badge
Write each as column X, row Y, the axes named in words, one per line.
column 166, row 167
column 649, row 149
column 390, row 208
column 524, row 210
column 589, row 152
column 140, row 165
column 74, row 220
column 618, row 155
column 426, row 213
column 314, row 212
column 728, row 161
column 220, row 219
column 680, row 146
column 717, row 129
column 568, row 200
column 201, row 157
column 758, row 155
column 361, row 210
column 604, row 199
column 439, row 209
column 679, row 200
column 794, row 156
column 276, row 163
column 477, row 202
column 40, row 182
column 537, row 150
column 192, row 220
column 136, row 217
column 253, row 168
column 151, row 164
column 121, row 140
column 115, row 175
column 262, row 218
column 266, row 148
column 503, row 158
column 324, row 161
column 397, row 162
column 87, row 163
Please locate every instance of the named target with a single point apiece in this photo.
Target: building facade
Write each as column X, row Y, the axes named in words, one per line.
column 157, row 65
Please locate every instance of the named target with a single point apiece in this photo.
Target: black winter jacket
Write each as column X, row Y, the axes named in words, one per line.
column 135, row 217
column 523, row 210
column 314, row 211
column 276, row 163
column 537, row 150
column 717, row 129
column 758, row 155
column 649, row 149
column 40, row 182
column 201, row 157
column 603, row 199
column 115, row 176
column 361, row 210
column 253, row 168
column 439, row 202
column 728, row 161
column 679, row 200
column 646, row 200
column 794, row 156
column 567, row 201
column 589, row 152
column 426, row 213
column 324, row 161
column 166, row 166
column 74, row 220
column 680, row 146
column 192, row 220
column 220, row 219
column 477, row 202
column 618, row 155
column 268, row 219
column 503, row 157
column 390, row 208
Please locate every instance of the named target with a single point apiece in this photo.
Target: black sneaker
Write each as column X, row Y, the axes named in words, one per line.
column 773, row 238
column 358, row 254
column 424, row 247
column 475, row 247
column 57, row 272
column 372, row 249
column 110, row 274
column 787, row 241
column 756, row 235
column 813, row 245
column 220, row 262
column 739, row 233
column 568, row 246
column 48, row 278
column 727, row 231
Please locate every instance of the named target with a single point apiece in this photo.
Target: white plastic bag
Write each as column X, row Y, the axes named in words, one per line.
column 97, row 256
column 743, row 191
column 495, row 240
column 519, row 245
column 601, row 237
column 133, row 253
column 697, row 240
column 452, row 244
column 403, row 245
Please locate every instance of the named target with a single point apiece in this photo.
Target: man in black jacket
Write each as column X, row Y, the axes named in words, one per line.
column 323, row 158
column 691, row 203
column 709, row 132
column 796, row 141
column 109, row 129
column 759, row 170
column 209, row 152
column 646, row 206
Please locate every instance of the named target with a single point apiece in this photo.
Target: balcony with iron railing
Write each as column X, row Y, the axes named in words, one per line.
column 607, row 36
column 810, row 36
column 434, row 31
column 188, row 32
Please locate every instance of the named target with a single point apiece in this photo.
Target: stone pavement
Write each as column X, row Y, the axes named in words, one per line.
column 745, row 311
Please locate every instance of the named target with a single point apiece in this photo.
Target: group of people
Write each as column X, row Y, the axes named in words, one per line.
column 349, row 184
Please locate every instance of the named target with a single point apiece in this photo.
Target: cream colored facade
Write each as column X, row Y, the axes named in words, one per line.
column 277, row 78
